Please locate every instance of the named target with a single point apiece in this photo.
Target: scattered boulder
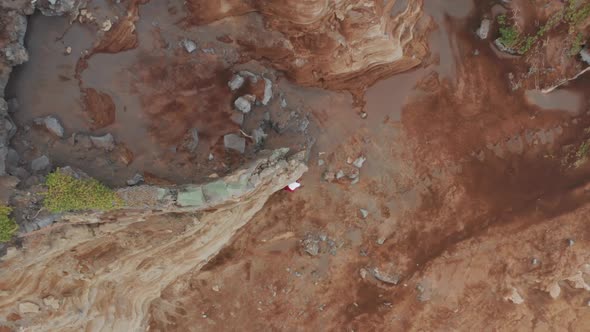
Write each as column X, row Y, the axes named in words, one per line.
column 189, row 45
column 135, row 180
column 339, row 175
column 358, row 163
column 28, row 308
column 236, row 82
column 234, row 142
column 52, row 124
column 267, row 91
column 106, row 142
column 40, row 164
column 244, row 103
column 484, row 28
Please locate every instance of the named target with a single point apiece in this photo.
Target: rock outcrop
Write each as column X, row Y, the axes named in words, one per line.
column 107, row 282
column 346, row 44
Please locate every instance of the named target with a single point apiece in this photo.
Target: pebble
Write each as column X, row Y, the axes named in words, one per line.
column 364, row 115
column 570, row 242
column 40, row 164
column 106, row 142
column 358, row 163
column 135, row 180
column 211, row 156
column 320, row 162
column 215, row 288
column 364, row 213
column 52, row 124
column 68, row 50
column 236, row 82
column 189, row 45
column 535, row 261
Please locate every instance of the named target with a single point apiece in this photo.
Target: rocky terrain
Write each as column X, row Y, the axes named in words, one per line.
column 442, row 147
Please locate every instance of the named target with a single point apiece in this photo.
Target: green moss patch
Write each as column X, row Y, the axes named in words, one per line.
column 7, row 225
column 66, row 193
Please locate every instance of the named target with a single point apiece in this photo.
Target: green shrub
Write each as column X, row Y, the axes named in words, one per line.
column 577, row 45
column 66, row 193
column 7, row 226
column 509, row 36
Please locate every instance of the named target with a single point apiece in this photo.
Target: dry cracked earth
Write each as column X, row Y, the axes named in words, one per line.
column 448, row 182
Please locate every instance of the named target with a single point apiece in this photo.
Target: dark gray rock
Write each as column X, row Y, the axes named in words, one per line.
column 311, row 245
column 40, row 164
column 358, row 163
column 234, row 142
column 106, row 142
column 3, row 154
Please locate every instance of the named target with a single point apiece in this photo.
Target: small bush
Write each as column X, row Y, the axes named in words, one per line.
column 577, row 45
column 66, row 193
column 7, row 226
column 509, row 36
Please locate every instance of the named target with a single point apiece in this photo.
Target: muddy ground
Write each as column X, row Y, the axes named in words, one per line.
column 469, row 213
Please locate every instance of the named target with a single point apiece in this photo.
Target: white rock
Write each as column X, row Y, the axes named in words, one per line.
column 484, row 28
column 28, row 308
column 52, row 124
column 106, row 142
column 364, row 213
column 267, row 91
column 554, row 290
column 358, row 163
column 514, row 296
column 236, row 82
column 189, row 45
column 51, row 302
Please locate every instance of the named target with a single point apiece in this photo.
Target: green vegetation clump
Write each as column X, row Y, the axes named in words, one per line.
column 575, row 14
column 66, row 193
column 577, row 45
column 583, row 150
column 509, row 36
column 7, row 225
